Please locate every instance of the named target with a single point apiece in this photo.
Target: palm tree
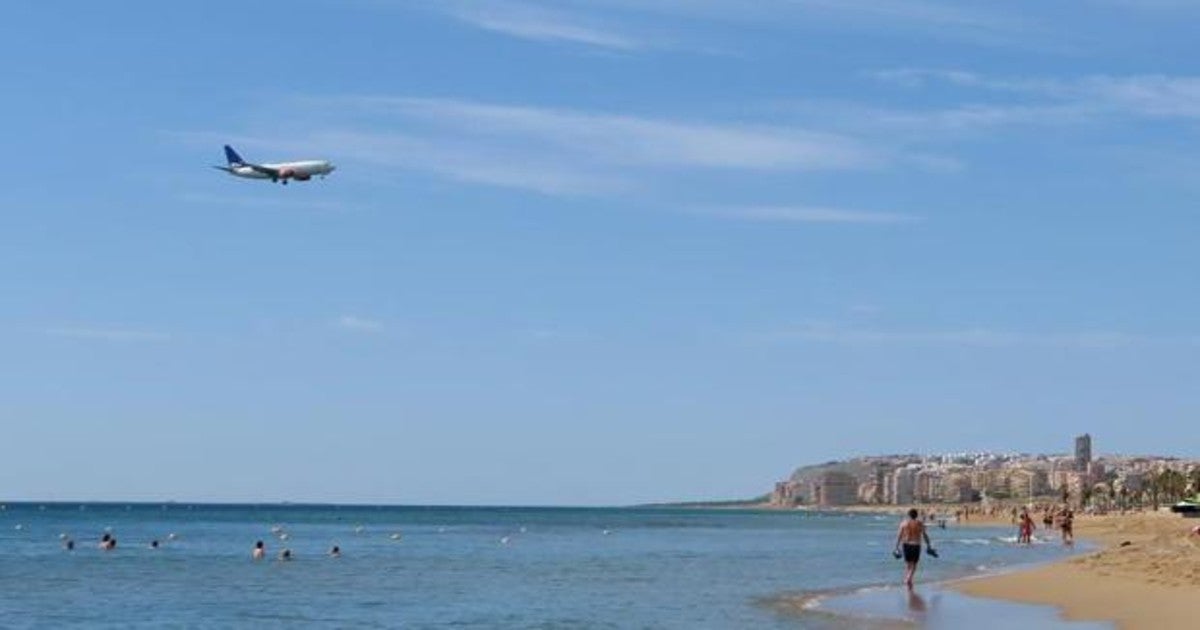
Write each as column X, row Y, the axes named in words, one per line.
column 1103, row 494
column 1174, row 484
column 1169, row 485
column 1153, row 488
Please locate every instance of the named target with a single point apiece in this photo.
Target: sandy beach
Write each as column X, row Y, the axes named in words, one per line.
column 1144, row 576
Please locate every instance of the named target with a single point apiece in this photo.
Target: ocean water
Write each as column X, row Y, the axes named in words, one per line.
column 455, row 567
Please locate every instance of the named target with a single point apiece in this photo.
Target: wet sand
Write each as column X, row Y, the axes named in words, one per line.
column 1144, row 576
column 936, row 607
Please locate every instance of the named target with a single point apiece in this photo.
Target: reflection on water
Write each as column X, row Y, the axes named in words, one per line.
column 940, row 608
column 916, row 603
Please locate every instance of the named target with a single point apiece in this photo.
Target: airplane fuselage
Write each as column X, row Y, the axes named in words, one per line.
column 300, row 171
column 278, row 172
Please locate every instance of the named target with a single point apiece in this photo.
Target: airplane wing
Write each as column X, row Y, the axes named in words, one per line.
column 223, row 168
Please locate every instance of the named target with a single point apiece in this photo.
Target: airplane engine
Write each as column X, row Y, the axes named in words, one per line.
column 301, row 177
column 286, row 174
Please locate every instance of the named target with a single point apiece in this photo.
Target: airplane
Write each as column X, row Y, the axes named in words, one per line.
column 278, row 172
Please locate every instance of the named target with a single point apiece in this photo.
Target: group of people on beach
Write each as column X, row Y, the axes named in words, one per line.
column 1053, row 517
column 913, row 532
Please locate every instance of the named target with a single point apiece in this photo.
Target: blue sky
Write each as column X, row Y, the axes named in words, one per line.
column 587, row 251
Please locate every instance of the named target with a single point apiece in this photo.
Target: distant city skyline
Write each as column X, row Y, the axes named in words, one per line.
column 588, row 252
column 984, row 477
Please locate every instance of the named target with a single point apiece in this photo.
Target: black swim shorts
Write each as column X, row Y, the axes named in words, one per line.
column 912, row 553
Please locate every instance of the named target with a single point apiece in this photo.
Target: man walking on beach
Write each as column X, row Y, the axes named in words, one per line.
column 908, row 544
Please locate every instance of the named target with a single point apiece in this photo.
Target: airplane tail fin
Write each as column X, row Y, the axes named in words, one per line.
column 232, row 156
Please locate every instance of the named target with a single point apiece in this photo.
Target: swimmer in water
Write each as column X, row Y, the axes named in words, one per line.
column 108, row 542
column 336, row 552
column 154, row 544
column 285, row 555
column 260, row 551
column 69, row 544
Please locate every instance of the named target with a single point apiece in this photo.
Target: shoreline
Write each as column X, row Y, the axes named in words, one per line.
column 1144, row 574
column 883, row 606
column 934, row 605
column 887, row 604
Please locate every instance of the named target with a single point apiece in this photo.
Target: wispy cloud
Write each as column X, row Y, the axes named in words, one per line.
column 474, row 160
column 959, row 19
column 106, row 334
column 390, row 145
column 942, row 19
column 824, row 332
column 359, row 324
column 1083, row 98
column 864, row 309
column 551, row 334
column 1151, row 5
column 256, row 202
column 539, row 23
column 976, row 116
column 922, row 136
column 920, row 77
column 808, row 214
column 633, row 140
column 553, row 151
column 1147, row 95
column 626, row 26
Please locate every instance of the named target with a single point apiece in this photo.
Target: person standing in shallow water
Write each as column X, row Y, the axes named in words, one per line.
column 1068, row 527
column 1025, row 533
column 260, row 551
column 908, row 545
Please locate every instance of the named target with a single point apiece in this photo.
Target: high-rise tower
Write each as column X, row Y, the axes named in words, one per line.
column 1083, row 452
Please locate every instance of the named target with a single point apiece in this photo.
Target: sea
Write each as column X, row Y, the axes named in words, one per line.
column 488, row 567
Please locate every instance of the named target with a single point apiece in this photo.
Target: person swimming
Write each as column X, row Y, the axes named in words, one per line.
column 108, row 542
column 154, row 544
column 336, row 552
column 260, row 551
column 285, row 555
column 69, row 544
